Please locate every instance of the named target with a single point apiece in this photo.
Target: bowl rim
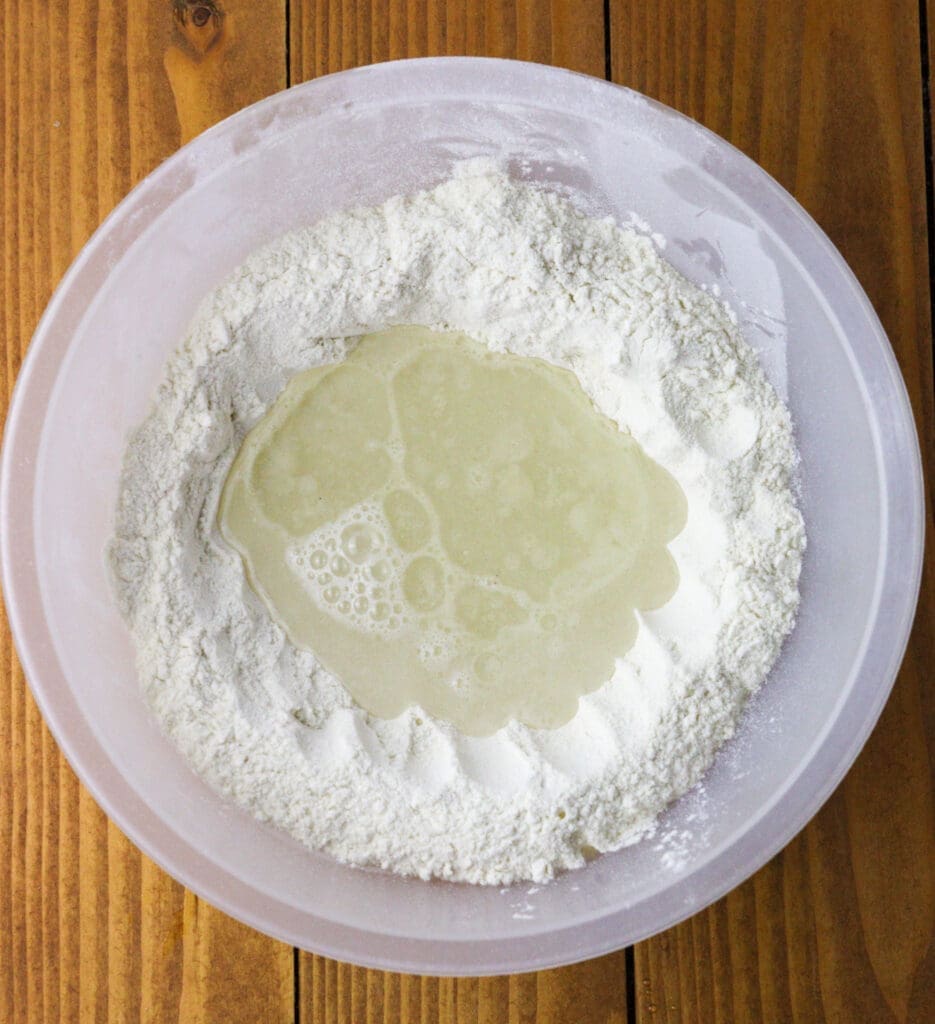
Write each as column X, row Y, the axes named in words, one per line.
column 779, row 821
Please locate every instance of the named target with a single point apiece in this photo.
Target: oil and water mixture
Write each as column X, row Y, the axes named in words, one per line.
column 451, row 527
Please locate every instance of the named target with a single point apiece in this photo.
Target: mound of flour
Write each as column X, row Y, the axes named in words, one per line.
column 519, row 269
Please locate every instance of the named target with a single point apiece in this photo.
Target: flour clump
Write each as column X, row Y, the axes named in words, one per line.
column 522, row 271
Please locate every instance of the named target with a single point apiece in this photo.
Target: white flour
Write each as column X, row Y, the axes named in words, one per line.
column 518, row 269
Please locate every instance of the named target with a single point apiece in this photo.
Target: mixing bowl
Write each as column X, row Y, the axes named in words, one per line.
column 359, row 137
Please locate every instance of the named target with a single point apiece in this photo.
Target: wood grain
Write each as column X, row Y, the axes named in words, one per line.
column 335, row 993
column 94, row 96
column 827, row 96
column 332, row 35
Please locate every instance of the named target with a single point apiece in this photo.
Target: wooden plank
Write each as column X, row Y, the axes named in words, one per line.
column 332, row 35
column 336, row 993
column 92, row 100
column 827, row 96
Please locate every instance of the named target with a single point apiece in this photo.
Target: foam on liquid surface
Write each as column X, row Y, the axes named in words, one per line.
column 451, row 527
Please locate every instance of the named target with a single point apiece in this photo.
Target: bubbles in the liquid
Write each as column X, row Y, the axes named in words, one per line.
column 360, row 541
column 381, row 610
column 342, row 583
column 437, row 648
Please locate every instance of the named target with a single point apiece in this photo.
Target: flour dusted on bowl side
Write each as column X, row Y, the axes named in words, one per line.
column 521, row 270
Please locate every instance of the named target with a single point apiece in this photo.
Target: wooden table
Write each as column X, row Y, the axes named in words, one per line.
column 831, row 97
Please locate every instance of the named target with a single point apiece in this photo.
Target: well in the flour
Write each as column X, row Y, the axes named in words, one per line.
column 453, row 528
column 522, row 271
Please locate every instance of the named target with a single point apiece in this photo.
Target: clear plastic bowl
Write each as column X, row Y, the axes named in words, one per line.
column 359, row 137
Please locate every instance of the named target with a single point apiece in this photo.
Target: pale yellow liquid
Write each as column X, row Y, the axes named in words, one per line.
column 451, row 527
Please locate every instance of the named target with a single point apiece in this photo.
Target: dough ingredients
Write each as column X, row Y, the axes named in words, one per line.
column 522, row 271
column 452, row 527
